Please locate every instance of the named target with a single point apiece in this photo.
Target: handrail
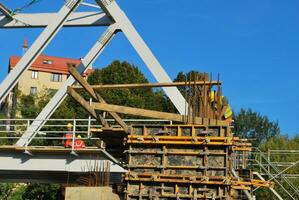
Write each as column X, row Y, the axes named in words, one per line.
column 13, row 129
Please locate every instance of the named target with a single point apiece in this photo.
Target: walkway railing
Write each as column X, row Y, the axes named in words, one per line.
column 55, row 129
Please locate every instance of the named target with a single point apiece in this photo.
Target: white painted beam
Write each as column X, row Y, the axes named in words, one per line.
column 40, row 20
column 16, row 161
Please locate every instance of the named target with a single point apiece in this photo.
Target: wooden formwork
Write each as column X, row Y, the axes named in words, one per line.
column 180, row 161
column 175, row 161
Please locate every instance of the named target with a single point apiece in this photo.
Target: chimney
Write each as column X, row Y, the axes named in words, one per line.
column 25, row 46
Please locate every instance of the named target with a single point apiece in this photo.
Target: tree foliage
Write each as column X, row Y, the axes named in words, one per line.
column 29, row 106
column 187, row 77
column 123, row 72
column 42, row 192
column 10, row 191
column 185, row 90
column 253, row 125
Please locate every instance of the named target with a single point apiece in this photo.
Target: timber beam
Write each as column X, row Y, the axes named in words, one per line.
column 186, row 140
column 96, row 96
column 214, row 180
column 143, row 85
column 138, row 111
column 154, row 114
column 86, row 106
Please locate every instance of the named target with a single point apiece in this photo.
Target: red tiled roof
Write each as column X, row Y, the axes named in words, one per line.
column 58, row 65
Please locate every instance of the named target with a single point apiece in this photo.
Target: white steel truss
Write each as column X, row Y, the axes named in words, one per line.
column 111, row 16
column 37, row 47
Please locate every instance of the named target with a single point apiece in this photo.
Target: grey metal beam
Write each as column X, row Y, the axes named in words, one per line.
column 40, row 20
column 16, row 161
column 60, row 95
column 37, row 47
column 112, row 8
column 58, row 177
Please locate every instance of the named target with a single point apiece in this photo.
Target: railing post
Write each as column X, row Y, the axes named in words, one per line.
column 89, row 122
column 74, row 135
column 27, row 143
column 260, row 154
column 269, row 160
column 28, row 123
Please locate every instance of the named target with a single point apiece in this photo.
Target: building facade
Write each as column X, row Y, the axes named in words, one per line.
column 46, row 73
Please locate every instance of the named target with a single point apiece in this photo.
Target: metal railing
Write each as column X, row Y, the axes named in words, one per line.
column 55, row 129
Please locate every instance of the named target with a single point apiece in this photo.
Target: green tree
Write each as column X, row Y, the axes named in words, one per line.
column 27, row 106
column 9, row 191
column 189, row 76
column 253, row 125
column 42, row 192
column 123, row 72
column 185, row 90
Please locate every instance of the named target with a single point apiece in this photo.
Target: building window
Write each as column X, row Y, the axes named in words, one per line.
column 34, row 74
column 56, row 77
column 48, row 62
column 33, row 90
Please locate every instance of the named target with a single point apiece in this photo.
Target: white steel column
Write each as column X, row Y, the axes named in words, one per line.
column 112, row 8
column 37, row 47
column 60, row 95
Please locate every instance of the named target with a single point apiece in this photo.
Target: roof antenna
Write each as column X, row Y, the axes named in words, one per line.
column 25, row 46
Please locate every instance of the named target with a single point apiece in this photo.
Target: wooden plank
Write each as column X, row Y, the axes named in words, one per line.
column 152, row 114
column 83, row 82
column 96, row 96
column 143, row 85
column 86, row 106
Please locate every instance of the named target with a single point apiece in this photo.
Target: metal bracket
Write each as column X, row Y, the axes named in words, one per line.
column 71, row 3
column 106, row 2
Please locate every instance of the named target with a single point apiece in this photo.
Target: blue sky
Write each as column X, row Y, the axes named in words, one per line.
column 253, row 44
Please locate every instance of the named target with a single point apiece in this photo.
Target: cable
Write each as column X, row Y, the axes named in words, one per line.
column 24, row 7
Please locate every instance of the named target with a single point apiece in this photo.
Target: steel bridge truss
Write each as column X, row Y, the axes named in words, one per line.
column 110, row 15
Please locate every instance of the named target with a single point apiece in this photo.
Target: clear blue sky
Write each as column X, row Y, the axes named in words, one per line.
column 253, row 44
